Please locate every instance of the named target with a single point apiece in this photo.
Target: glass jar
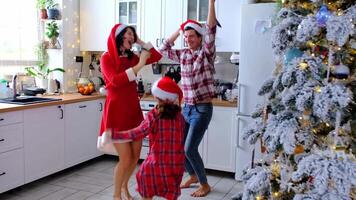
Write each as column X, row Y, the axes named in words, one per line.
column 85, row 86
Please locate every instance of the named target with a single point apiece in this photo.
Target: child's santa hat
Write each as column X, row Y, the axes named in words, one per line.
column 194, row 25
column 119, row 29
column 167, row 89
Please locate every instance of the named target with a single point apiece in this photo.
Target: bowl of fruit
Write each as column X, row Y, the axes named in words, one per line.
column 85, row 86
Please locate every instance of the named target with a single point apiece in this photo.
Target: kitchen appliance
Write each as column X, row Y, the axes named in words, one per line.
column 146, row 106
column 256, row 65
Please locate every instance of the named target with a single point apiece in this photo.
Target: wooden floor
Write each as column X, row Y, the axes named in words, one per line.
column 93, row 180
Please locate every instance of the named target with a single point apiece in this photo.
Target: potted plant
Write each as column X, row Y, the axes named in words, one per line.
column 41, row 5
column 52, row 32
column 41, row 72
column 52, row 9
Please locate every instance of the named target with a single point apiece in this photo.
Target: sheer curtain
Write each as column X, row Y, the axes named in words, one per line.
column 18, row 33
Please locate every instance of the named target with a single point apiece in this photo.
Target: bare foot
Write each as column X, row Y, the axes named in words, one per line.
column 117, row 198
column 202, row 191
column 125, row 192
column 191, row 180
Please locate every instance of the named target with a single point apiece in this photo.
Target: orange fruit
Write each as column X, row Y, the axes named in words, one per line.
column 91, row 88
column 81, row 90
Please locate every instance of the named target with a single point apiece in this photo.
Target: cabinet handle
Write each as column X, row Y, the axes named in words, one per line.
column 62, row 114
column 1, row 140
column 82, row 106
column 2, row 173
column 162, row 40
column 101, row 106
column 2, row 119
column 157, row 42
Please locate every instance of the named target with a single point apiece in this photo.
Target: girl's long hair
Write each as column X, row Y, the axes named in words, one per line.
column 167, row 110
column 120, row 41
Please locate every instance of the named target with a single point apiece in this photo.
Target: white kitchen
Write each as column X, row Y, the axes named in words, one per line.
column 52, row 92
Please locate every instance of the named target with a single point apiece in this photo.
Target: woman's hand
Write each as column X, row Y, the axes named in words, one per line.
column 139, row 41
column 144, row 56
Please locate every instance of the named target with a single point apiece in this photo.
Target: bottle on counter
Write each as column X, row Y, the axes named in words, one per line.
column 140, row 87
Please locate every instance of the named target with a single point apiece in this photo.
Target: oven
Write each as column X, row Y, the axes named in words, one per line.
column 146, row 106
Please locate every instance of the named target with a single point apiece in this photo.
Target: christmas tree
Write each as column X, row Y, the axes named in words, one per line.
column 307, row 125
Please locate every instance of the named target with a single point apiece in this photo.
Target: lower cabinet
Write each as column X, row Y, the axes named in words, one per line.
column 218, row 145
column 11, row 150
column 82, row 124
column 43, row 141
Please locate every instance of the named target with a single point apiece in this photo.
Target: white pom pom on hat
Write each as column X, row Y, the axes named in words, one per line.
column 167, row 89
column 119, row 29
column 193, row 24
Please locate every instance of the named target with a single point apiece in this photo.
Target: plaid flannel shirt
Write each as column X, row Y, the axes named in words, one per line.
column 197, row 68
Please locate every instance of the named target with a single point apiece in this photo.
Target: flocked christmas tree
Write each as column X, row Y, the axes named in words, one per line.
column 307, row 126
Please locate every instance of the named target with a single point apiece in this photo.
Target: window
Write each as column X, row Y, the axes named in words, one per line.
column 18, row 33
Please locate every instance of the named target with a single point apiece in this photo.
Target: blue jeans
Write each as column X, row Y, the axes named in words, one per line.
column 197, row 118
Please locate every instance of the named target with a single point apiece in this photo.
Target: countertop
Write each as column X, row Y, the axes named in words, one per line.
column 66, row 99
column 76, row 97
column 216, row 102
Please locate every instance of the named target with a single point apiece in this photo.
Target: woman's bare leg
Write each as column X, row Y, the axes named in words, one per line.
column 125, row 159
column 136, row 150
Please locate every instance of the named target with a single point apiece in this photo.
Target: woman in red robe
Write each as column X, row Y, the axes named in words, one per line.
column 122, row 108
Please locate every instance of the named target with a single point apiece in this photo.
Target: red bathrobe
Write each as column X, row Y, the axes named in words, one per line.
column 122, row 108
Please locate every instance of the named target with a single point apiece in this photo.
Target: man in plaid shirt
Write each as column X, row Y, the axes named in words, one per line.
column 197, row 69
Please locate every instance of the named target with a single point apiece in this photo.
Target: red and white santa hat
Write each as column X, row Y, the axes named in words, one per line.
column 167, row 89
column 119, row 29
column 193, row 24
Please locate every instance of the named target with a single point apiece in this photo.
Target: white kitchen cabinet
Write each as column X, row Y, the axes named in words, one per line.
column 218, row 145
column 81, row 131
column 43, row 141
column 227, row 13
column 96, row 20
column 11, row 150
column 160, row 20
column 127, row 12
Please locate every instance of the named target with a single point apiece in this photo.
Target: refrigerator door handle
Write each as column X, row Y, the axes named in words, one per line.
column 239, row 113
column 238, row 132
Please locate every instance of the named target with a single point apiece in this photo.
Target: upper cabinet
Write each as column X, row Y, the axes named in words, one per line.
column 127, row 13
column 96, row 20
column 160, row 20
column 228, row 37
column 155, row 21
column 98, row 17
column 227, row 13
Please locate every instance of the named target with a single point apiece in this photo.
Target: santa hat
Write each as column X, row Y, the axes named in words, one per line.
column 194, row 25
column 119, row 29
column 167, row 89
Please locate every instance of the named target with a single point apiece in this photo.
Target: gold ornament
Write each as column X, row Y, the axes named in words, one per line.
column 317, row 89
column 275, row 169
column 303, row 65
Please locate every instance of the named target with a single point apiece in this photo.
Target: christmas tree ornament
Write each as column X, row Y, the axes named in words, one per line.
column 305, row 121
column 341, row 71
column 303, row 66
column 292, row 54
column 298, row 149
column 322, row 16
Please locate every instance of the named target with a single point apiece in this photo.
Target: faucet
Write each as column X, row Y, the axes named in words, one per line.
column 14, row 95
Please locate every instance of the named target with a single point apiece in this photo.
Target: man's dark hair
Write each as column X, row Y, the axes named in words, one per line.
column 190, row 28
column 119, row 39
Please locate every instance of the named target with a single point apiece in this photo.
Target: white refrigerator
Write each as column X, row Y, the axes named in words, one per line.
column 256, row 65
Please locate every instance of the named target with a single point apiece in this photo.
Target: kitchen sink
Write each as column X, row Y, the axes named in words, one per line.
column 24, row 100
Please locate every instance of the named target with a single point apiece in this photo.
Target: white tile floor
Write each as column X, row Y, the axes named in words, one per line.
column 93, row 181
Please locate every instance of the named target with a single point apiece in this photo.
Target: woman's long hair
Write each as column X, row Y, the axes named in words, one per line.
column 167, row 110
column 120, row 41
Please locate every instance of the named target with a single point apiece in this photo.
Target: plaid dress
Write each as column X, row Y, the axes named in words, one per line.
column 161, row 172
